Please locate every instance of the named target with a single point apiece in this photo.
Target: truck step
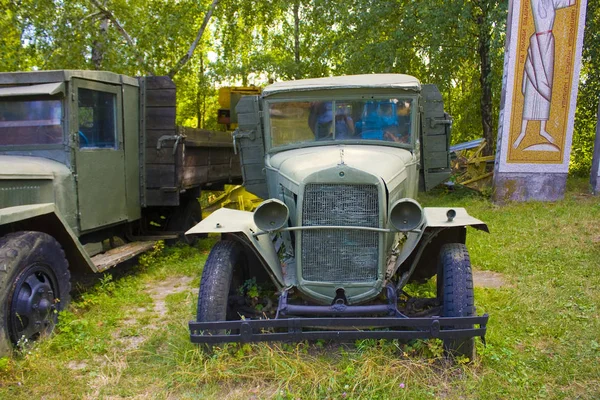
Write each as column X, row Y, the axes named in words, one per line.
column 115, row 256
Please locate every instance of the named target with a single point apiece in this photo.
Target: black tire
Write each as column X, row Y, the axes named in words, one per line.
column 455, row 292
column 221, row 279
column 34, row 286
column 186, row 216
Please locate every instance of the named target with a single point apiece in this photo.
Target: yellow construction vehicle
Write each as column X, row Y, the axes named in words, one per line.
column 228, row 98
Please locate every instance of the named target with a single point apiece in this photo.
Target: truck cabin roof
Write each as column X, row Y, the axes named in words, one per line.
column 374, row 81
column 40, row 77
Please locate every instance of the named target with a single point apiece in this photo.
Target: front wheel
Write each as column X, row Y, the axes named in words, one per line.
column 34, row 286
column 221, row 278
column 455, row 291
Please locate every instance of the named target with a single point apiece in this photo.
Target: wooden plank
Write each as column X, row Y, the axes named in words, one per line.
column 157, row 197
column 160, row 175
column 196, row 156
column 161, row 98
column 163, row 156
column 122, row 253
column 204, row 175
column 205, row 138
column 194, row 176
column 160, row 118
column 220, row 156
column 159, row 82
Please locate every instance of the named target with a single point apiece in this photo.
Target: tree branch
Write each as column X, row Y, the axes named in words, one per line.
column 93, row 16
column 186, row 57
column 121, row 30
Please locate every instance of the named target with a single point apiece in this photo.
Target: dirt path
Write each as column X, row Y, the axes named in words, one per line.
column 131, row 334
column 489, row 279
column 171, row 285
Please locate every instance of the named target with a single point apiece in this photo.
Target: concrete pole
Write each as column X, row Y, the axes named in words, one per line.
column 595, row 175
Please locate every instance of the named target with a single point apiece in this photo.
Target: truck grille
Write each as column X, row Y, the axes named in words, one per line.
column 337, row 255
column 20, row 192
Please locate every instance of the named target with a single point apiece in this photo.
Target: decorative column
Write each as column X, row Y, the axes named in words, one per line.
column 542, row 61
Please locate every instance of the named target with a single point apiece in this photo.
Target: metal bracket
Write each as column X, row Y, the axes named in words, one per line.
column 164, row 138
column 434, row 122
column 237, row 134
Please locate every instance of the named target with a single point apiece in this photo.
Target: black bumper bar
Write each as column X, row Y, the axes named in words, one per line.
column 337, row 328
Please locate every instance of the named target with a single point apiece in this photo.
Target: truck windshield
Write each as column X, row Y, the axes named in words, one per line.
column 387, row 119
column 30, row 122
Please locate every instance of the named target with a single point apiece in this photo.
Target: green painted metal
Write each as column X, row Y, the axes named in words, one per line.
column 44, row 89
column 92, row 164
column 100, row 171
column 392, row 168
column 435, row 137
column 249, row 137
column 47, row 218
column 131, row 143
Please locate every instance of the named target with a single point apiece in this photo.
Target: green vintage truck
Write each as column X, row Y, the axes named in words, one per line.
column 340, row 161
column 93, row 171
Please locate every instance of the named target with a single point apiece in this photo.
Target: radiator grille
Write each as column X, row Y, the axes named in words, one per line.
column 337, row 255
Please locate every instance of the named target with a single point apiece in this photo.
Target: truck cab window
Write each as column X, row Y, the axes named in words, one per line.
column 383, row 119
column 97, row 119
column 30, row 122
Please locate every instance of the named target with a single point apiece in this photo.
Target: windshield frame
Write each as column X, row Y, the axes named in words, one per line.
column 341, row 95
column 40, row 146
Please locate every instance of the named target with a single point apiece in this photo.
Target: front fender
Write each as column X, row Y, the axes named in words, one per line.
column 226, row 220
column 436, row 217
column 46, row 218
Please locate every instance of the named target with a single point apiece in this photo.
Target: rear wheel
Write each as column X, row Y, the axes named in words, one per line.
column 455, row 291
column 184, row 217
column 34, row 286
column 221, row 278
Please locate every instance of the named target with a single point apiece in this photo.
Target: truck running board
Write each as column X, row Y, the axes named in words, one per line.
column 116, row 256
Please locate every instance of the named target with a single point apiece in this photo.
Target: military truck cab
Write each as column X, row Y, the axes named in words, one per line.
column 93, row 171
column 340, row 161
column 64, row 138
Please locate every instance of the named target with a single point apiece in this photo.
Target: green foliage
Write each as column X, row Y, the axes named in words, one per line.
column 149, row 257
column 253, row 42
column 250, row 288
column 588, row 99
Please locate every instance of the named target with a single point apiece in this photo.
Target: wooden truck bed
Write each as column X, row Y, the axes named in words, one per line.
column 179, row 158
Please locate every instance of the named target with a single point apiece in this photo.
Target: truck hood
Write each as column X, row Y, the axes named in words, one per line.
column 388, row 163
column 25, row 167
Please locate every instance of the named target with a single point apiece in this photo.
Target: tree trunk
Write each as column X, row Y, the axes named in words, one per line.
column 483, row 49
column 297, row 38
column 98, row 45
column 201, row 96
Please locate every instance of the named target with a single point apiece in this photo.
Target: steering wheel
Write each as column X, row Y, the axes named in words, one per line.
column 86, row 142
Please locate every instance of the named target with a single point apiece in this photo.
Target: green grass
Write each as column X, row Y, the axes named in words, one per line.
column 543, row 337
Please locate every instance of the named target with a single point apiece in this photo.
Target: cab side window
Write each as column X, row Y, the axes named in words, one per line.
column 97, row 115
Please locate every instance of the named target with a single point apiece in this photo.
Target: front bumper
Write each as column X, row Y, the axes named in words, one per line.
column 338, row 328
column 338, row 322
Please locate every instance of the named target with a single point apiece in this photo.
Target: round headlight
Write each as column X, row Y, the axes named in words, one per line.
column 271, row 215
column 406, row 215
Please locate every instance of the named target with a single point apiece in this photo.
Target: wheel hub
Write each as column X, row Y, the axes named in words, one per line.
column 33, row 304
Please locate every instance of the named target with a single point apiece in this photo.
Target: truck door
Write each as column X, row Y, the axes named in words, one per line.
column 97, row 135
column 249, row 140
column 435, row 139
